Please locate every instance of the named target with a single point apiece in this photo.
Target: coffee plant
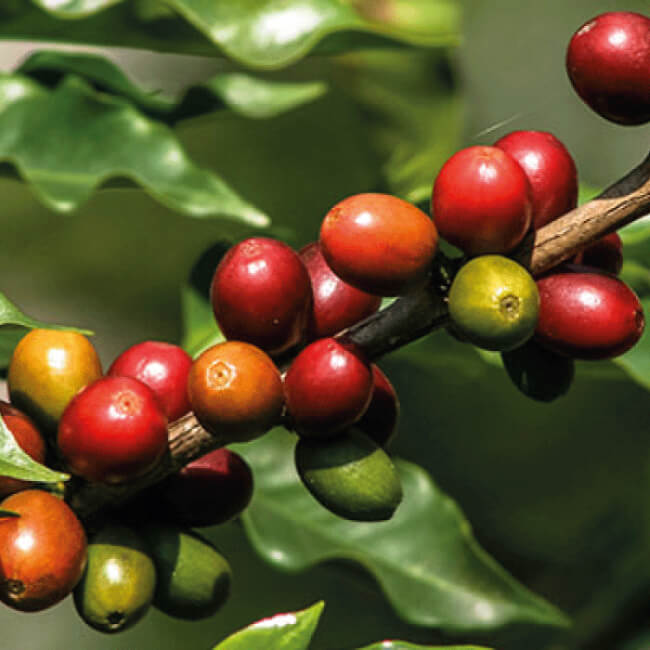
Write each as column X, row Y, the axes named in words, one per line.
column 301, row 166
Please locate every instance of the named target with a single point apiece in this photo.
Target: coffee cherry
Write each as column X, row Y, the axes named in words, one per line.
column 494, row 303
column 261, row 294
column 42, row 552
column 209, row 491
column 605, row 254
column 588, row 315
column 550, row 170
column 379, row 422
column 193, row 577
column 378, row 243
column 118, row 584
column 161, row 366
column 608, row 62
column 29, row 440
column 350, row 475
column 113, row 431
column 537, row 372
column 328, row 387
column 481, row 201
column 336, row 304
column 235, row 391
column 47, row 369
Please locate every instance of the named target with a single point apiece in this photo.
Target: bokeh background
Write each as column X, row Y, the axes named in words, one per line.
column 558, row 493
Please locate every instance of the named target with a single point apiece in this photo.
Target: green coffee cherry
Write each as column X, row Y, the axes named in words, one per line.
column 494, row 303
column 118, row 585
column 193, row 578
column 350, row 475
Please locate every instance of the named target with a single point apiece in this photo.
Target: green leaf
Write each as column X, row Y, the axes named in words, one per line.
column 14, row 462
column 425, row 558
column 251, row 97
column 8, row 513
column 200, row 331
column 403, row 645
column 260, row 33
column 414, row 114
column 636, row 276
column 636, row 232
column 636, row 362
column 68, row 141
column 290, row 631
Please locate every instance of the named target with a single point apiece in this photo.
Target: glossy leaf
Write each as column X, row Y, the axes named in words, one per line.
column 290, row 631
column 14, row 462
column 251, row 97
column 425, row 558
column 262, row 33
column 636, row 232
column 68, row 141
column 636, row 362
column 403, row 645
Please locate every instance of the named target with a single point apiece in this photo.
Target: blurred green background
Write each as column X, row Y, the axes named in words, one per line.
column 558, row 493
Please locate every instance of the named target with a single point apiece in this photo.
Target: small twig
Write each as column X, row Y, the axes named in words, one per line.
column 407, row 319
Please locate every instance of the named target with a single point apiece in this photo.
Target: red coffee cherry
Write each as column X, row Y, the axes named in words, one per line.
column 29, row 439
column 608, row 62
column 587, row 315
column 481, row 201
column 113, row 430
column 209, row 491
column 328, row 387
column 161, row 366
column 261, row 294
column 336, row 304
column 235, row 391
column 379, row 422
column 378, row 243
column 550, row 170
column 42, row 552
column 605, row 254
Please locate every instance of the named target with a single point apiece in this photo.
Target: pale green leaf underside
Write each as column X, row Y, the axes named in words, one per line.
column 425, row 558
column 14, row 462
column 260, row 33
column 289, row 631
column 68, row 141
column 251, row 97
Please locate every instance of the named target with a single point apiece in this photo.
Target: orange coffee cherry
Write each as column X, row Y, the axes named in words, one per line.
column 42, row 552
column 47, row 369
column 235, row 391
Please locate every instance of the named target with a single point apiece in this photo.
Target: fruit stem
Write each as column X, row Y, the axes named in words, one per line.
column 407, row 319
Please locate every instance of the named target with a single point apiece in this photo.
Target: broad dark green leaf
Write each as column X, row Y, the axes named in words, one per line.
column 262, row 33
column 414, row 114
column 200, row 330
column 403, row 645
column 254, row 98
column 425, row 558
column 68, row 141
column 14, row 462
column 636, row 276
column 636, row 362
column 290, row 631
column 636, row 232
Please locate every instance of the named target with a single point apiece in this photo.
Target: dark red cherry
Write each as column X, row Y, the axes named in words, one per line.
column 588, row 315
column 209, row 491
column 113, row 430
column 261, row 294
column 605, row 254
column 161, row 366
column 550, row 170
column 608, row 62
column 379, row 422
column 336, row 303
column 327, row 388
column 481, row 201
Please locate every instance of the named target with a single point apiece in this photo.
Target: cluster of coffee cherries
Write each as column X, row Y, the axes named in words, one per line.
column 111, row 429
